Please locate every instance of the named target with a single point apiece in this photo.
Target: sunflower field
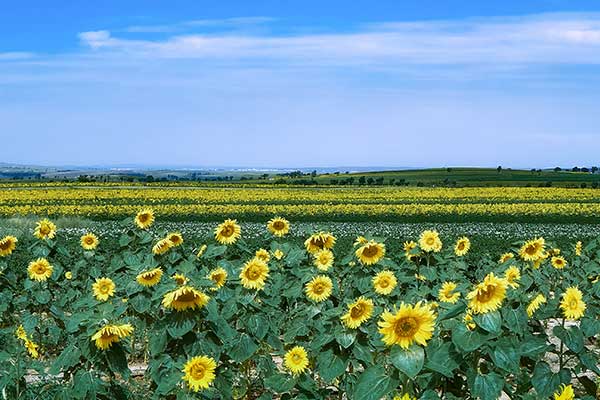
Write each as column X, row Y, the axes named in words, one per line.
column 156, row 315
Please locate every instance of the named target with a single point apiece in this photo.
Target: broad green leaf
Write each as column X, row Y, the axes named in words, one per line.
column 330, row 366
column 373, row 384
column 409, row 361
column 488, row 387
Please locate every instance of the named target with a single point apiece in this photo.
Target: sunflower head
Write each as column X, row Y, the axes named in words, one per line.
column 319, row 241
column 409, row 245
column 533, row 250
column 89, row 241
column 7, row 245
column 323, row 259
column 278, row 254
column 370, row 253
column 535, row 304
column 558, row 262
column 319, row 288
column 32, row 348
column 201, row 251
column 296, row 360
column 447, row 293
column 409, row 324
column 150, row 278
column 254, row 274
column 199, row 372
column 40, row 270
column 228, row 232
column 487, row 295
column 184, row 298
column 45, row 229
column 103, row 288
column 175, row 238
column 20, row 333
column 162, row 246
column 572, row 304
column 218, row 276
column 565, row 393
column 384, row 282
column 69, row 275
column 180, row 279
column 505, row 257
column 278, row 226
column 462, row 246
column 578, row 248
column 358, row 312
column 144, row 219
column 429, row 241
column 262, row 255
column 512, row 275
column 109, row 334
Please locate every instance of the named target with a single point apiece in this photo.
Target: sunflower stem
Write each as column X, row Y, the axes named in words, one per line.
column 560, row 356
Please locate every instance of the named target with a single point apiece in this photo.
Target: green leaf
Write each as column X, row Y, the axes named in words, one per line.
column 345, row 339
column 140, row 303
column 68, row 358
column 373, row 384
column 280, row 383
column 545, row 382
column 157, row 343
column 491, row 321
column 505, row 356
column 452, row 312
column 330, row 366
column 257, row 325
column 213, row 251
column 43, row 297
column 242, row 348
column 178, row 325
column 442, row 359
column 124, row 240
column 571, row 337
column 117, row 361
column 409, row 361
column 467, row 340
column 515, row 319
column 488, row 387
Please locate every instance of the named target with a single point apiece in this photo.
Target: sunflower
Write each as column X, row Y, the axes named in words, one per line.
column 162, row 246
column 319, row 241
column 487, row 295
column 278, row 254
column 384, row 282
column 45, row 229
column 535, row 304
column 254, row 273
column 578, row 248
column 572, row 303
column 512, row 275
column 7, row 245
column 447, row 293
column 69, row 275
column 144, row 219
column 150, row 278
column 462, row 246
column 360, row 240
column 505, row 257
column 32, row 348
column 180, row 279
column 405, row 396
column 319, row 288
column 278, row 226
column 532, row 250
column 109, row 334
column 175, row 238
column 407, row 325
column 409, row 245
column 218, row 276
column 89, row 241
column 358, row 312
column 185, row 297
column 263, row 255
column 201, row 251
column 566, row 393
column 430, row 241
column 420, row 277
column 103, row 288
column 20, row 333
column 199, row 372
column 468, row 320
column 323, row 259
column 370, row 253
column 296, row 360
column 559, row 262
column 228, row 232
column 40, row 269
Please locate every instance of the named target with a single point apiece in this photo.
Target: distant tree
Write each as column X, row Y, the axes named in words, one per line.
column 334, row 181
column 583, row 185
column 379, row 180
column 595, row 184
column 361, row 180
column 448, row 169
column 370, row 181
column 314, row 173
column 594, row 170
column 575, row 169
column 499, row 169
column 557, row 169
column 584, row 169
column 350, row 180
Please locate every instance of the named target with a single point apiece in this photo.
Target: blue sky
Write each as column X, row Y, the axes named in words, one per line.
column 300, row 83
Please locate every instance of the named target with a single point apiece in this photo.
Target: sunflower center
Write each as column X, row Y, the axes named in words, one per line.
column 278, row 225
column 198, row 371
column 104, row 289
column 40, row 269
column 384, row 283
column 406, row 327
column 186, row 297
column 370, row 251
column 318, row 288
column 4, row 245
column 227, row 231
column 573, row 304
column 357, row 311
column 430, row 241
column 44, row 230
column 484, row 295
column 530, row 250
column 253, row 273
column 296, row 358
column 144, row 218
column 89, row 240
column 318, row 242
column 461, row 246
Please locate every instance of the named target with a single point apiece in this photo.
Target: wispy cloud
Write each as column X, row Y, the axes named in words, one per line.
column 223, row 23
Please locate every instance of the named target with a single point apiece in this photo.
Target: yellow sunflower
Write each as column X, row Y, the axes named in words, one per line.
column 358, row 312
column 228, row 232
column 103, row 288
column 262, row 255
column 201, row 250
column 32, row 348
column 199, row 372
column 45, row 229
column 533, row 250
column 109, row 334
column 384, row 282
column 468, row 320
column 566, row 393
column 278, row 254
column 447, row 293
column 319, row 288
column 69, row 275
column 559, row 262
column 535, row 304
column 89, row 241
column 278, row 226
column 175, row 238
column 407, row 325
column 370, row 253
column 319, row 241
column 572, row 303
column 323, row 259
column 296, row 360
column 144, row 219
column 487, row 295
column 505, row 257
column 409, row 245
column 405, row 396
column 462, row 246
column 360, row 240
column 218, row 276
column 254, row 273
column 40, row 270
column 20, row 333
column 180, row 279
column 430, row 241
column 184, row 298
column 162, row 246
column 150, row 278
column 7, row 245
column 578, row 248
column 512, row 275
